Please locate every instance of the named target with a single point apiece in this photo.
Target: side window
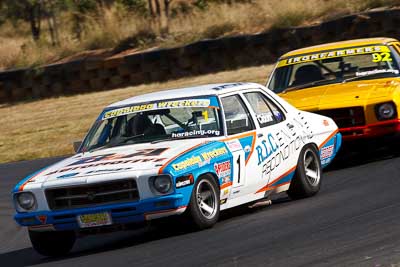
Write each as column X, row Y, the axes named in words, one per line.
column 267, row 112
column 397, row 45
column 396, row 51
column 237, row 116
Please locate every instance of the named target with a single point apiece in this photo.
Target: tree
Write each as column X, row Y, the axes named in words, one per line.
column 78, row 9
column 50, row 11
column 33, row 11
column 160, row 13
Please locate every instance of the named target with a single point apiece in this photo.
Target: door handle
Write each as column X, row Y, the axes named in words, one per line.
column 260, row 135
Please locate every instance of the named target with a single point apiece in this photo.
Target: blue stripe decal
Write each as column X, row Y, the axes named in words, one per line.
column 284, row 179
column 16, row 188
column 328, row 152
column 247, row 141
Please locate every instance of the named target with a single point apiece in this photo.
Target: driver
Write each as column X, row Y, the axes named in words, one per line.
column 140, row 124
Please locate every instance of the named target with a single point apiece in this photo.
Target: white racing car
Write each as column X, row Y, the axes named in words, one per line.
column 193, row 151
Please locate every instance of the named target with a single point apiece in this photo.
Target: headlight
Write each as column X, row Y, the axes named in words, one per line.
column 385, row 111
column 162, row 183
column 26, row 200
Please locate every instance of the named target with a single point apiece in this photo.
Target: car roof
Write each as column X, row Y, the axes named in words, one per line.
column 338, row 45
column 196, row 91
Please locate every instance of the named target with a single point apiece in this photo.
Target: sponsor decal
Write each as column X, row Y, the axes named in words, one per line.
column 223, row 169
column 184, row 181
column 225, row 180
column 187, row 163
column 184, row 103
column 96, row 171
column 200, row 161
column 215, row 153
column 143, row 155
column 376, row 71
column 334, row 54
column 226, row 86
column 325, row 123
column 276, row 149
column 233, row 145
column 225, row 192
column 327, row 152
column 157, row 105
column 267, row 148
column 204, row 163
column 326, row 161
column 265, row 118
column 196, row 132
column 127, row 161
column 109, row 170
column 127, row 110
column 223, row 201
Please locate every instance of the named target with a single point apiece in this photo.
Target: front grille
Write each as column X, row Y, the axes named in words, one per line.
column 93, row 194
column 345, row 117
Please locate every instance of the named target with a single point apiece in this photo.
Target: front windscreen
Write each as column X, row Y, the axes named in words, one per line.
column 154, row 122
column 335, row 66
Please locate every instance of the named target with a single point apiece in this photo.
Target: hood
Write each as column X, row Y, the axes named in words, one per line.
column 114, row 162
column 356, row 93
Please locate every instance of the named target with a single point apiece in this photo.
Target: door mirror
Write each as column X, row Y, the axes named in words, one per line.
column 77, row 145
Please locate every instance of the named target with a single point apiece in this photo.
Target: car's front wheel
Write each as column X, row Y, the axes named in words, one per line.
column 54, row 243
column 307, row 179
column 204, row 202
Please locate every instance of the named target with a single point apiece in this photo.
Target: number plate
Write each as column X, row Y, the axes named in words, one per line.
column 93, row 220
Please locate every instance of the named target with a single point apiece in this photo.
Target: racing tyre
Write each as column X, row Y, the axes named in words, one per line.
column 307, row 179
column 54, row 243
column 204, row 203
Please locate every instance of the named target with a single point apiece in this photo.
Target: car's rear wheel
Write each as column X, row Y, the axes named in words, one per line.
column 307, row 179
column 54, row 243
column 204, row 204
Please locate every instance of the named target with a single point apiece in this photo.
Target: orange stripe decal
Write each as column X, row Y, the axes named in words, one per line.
column 225, row 185
column 238, row 136
column 175, row 157
column 30, row 179
column 327, row 139
column 253, row 133
column 268, row 186
column 252, row 147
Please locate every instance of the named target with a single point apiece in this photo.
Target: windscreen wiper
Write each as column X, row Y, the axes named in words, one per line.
column 368, row 76
column 183, row 137
column 112, row 144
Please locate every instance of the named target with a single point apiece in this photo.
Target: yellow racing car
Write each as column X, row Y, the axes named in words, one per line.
column 356, row 83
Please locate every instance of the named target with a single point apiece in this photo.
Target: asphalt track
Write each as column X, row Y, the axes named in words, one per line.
column 353, row 221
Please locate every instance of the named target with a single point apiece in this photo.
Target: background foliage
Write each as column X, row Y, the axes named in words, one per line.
column 35, row 32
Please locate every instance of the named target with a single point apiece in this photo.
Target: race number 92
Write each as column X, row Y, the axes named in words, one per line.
column 381, row 57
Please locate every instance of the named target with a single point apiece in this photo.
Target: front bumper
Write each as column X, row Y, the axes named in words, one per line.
column 122, row 213
column 383, row 128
